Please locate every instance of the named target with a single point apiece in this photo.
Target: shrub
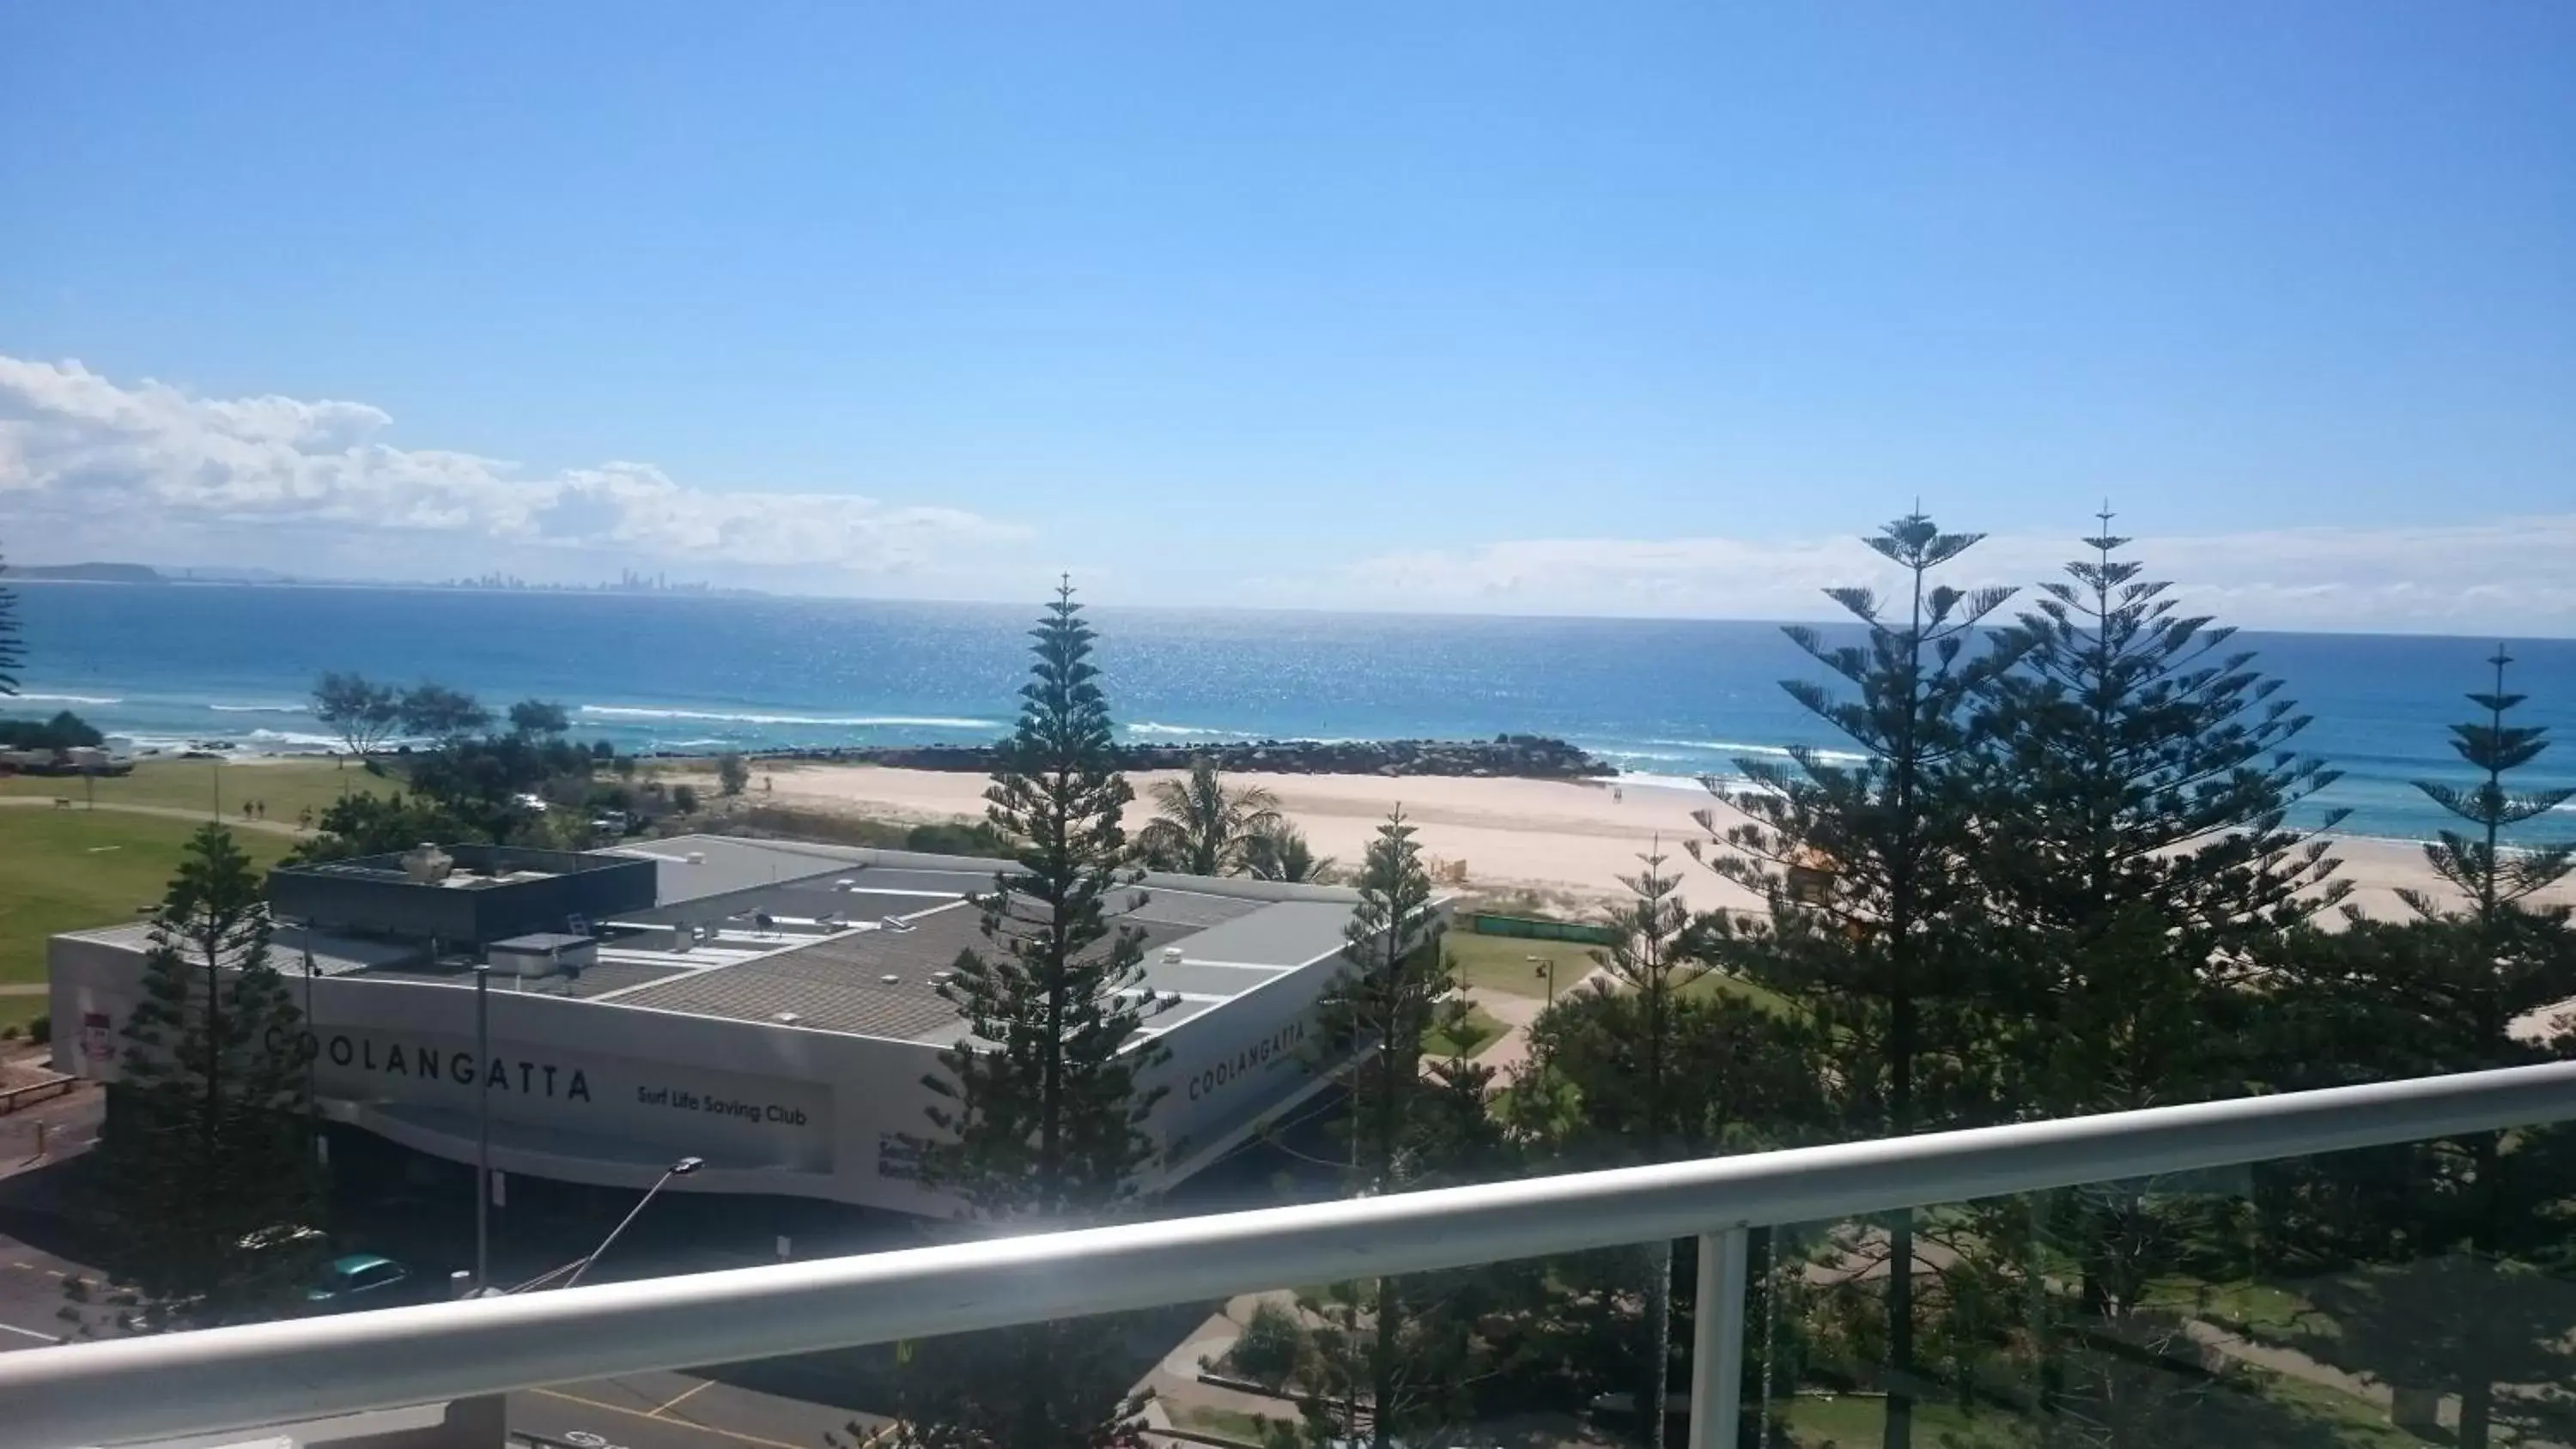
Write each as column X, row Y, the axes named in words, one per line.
column 40, row 1030
column 684, row 798
column 1271, row 1345
column 732, row 772
column 979, row 838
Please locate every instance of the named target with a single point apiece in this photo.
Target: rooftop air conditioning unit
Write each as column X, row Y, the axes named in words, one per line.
column 428, row 864
column 1171, row 955
column 697, row 857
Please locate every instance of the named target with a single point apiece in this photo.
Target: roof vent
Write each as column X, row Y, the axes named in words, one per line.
column 1171, row 955
column 941, row 977
column 787, row 1018
column 897, row 924
column 891, row 979
column 697, row 857
column 844, row 883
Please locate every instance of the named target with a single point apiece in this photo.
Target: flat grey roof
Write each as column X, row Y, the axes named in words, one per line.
column 838, row 983
column 590, row 982
column 724, row 865
column 332, row 955
column 838, row 928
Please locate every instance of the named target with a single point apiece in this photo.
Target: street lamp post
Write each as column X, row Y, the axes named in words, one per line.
column 482, row 1127
column 312, row 1047
column 681, row 1168
column 1545, row 966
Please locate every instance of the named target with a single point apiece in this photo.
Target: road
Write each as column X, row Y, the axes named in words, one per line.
column 632, row 1411
column 680, row 1411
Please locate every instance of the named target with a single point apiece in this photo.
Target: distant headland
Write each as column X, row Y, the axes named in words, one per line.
column 628, row 582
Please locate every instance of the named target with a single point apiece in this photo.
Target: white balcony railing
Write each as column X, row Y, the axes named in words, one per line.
column 239, row 1378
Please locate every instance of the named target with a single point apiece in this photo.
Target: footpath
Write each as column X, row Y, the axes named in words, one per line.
column 166, row 812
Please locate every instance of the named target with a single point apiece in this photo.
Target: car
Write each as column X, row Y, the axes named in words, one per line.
column 357, row 1281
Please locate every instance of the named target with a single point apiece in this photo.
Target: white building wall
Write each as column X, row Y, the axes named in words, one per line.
column 596, row 1092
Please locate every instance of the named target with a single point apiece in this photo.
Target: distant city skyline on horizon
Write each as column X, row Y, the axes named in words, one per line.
column 1822, row 610
column 1487, row 311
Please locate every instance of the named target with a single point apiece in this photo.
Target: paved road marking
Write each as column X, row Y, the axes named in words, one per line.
column 31, row 1333
column 674, row 1401
column 681, row 1423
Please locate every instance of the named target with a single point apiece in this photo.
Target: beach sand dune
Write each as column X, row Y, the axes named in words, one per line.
column 1573, row 840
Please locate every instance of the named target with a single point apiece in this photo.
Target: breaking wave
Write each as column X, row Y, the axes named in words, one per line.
column 639, row 712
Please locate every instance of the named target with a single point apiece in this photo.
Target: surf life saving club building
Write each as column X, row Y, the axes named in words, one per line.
column 771, row 1008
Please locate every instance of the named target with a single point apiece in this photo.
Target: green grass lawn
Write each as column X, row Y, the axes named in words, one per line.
column 63, row 870
column 1502, row 963
column 1736, row 986
column 1474, row 1032
column 287, row 786
column 1858, row 1421
column 2265, row 1311
column 1232, row 1424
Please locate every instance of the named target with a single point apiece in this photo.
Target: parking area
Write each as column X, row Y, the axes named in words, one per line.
column 47, row 1299
column 679, row 1411
column 32, row 1296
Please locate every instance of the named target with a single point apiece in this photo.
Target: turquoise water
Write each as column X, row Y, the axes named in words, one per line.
column 1665, row 700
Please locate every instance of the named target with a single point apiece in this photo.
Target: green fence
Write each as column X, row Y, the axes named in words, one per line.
column 1538, row 930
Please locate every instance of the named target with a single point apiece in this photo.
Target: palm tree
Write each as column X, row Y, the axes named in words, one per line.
column 1202, row 828
column 1278, row 851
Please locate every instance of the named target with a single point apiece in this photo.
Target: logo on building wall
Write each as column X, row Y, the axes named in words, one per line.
column 97, row 1040
column 1251, row 1059
column 432, row 1064
column 898, row 1157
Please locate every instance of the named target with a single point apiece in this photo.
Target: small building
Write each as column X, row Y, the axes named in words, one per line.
column 773, row 1008
column 465, row 897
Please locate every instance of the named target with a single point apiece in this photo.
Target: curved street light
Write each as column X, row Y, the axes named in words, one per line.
column 681, row 1168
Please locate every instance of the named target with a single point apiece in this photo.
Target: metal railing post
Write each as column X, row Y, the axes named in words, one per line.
column 1717, row 1340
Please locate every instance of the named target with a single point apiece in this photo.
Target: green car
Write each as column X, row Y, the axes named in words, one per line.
column 359, row 1281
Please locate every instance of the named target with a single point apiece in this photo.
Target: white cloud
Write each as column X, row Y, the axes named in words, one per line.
column 77, row 448
column 2505, row 577
column 91, row 468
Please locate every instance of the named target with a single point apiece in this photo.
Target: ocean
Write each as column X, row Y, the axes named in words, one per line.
column 1664, row 700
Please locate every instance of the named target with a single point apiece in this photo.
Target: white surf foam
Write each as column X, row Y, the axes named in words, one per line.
column 1733, row 747
column 642, row 712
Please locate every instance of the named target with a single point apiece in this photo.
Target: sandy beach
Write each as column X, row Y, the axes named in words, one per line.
column 1554, row 837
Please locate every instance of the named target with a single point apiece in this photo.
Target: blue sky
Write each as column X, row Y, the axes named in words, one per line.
column 1597, row 309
